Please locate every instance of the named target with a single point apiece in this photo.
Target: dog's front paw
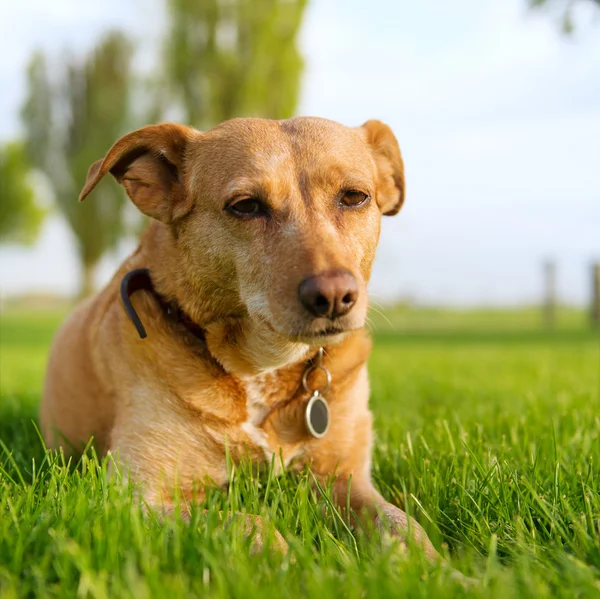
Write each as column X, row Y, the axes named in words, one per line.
column 393, row 521
column 259, row 532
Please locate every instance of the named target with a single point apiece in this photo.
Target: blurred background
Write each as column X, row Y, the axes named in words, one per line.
column 496, row 106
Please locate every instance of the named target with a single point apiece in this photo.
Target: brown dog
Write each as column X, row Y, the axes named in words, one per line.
column 259, row 254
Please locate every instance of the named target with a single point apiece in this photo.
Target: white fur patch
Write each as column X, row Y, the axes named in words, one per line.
column 257, row 410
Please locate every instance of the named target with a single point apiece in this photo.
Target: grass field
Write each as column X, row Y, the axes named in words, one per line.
column 488, row 431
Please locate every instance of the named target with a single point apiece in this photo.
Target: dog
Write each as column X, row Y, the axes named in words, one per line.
column 237, row 325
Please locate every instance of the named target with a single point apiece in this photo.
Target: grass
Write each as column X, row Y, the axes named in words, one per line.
column 490, row 437
column 408, row 318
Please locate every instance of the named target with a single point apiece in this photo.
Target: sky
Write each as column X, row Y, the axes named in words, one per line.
column 496, row 112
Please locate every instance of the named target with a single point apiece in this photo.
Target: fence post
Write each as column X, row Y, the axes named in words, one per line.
column 549, row 309
column 595, row 307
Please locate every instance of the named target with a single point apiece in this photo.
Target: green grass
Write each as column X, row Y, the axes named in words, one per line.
column 491, row 439
column 404, row 317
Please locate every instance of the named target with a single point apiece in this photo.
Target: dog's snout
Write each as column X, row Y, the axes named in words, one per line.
column 330, row 294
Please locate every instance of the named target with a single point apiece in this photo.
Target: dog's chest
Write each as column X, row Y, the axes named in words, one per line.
column 267, row 398
column 257, row 407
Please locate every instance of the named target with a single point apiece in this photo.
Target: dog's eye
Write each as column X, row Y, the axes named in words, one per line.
column 247, row 208
column 354, row 198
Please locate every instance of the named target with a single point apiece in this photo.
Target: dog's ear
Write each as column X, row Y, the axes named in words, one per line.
column 390, row 167
column 148, row 163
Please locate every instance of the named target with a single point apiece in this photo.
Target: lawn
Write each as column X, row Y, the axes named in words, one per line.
column 488, row 431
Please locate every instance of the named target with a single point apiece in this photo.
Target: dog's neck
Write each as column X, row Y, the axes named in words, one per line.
column 245, row 348
column 240, row 344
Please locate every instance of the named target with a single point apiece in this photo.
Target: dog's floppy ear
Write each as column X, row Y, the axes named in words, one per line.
column 383, row 144
column 148, row 163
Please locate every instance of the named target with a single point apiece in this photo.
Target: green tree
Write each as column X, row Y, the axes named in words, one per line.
column 566, row 6
column 20, row 214
column 234, row 58
column 71, row 118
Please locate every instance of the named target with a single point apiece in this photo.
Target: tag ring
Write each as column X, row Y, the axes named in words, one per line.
column 309, row 371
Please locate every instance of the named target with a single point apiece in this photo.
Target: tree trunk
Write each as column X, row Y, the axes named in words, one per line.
column 596, row 294
column 550, row 301
column 88, row 279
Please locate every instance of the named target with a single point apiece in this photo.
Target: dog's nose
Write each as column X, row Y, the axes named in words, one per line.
column 330, row 294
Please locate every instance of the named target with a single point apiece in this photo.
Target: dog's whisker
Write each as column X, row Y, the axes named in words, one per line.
column 384, row 315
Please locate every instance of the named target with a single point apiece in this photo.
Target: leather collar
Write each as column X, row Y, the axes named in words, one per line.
column 139, row 280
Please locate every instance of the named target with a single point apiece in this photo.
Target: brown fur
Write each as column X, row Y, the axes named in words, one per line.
column 171, row 406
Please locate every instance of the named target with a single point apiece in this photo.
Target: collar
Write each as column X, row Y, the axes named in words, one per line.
column 139, row 280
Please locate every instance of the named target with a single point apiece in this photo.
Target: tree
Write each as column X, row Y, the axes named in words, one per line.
column 234, row 58
column 566, row 7
column 20, row 214
column 71, row 120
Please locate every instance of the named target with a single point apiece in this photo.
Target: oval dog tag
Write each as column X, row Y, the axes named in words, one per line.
column 317, row 415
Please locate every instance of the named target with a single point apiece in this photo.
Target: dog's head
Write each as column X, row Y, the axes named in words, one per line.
column 278, row 219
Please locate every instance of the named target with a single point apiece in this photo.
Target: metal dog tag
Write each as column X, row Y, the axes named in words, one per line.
column 317, row 415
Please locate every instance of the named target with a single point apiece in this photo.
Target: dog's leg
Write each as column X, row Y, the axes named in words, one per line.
column 373, row 511
column 160, row 499
column 253, row 526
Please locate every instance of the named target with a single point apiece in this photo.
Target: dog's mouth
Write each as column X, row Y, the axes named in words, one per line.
column 312, row 334
column 329, row 331
column 330, row 334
